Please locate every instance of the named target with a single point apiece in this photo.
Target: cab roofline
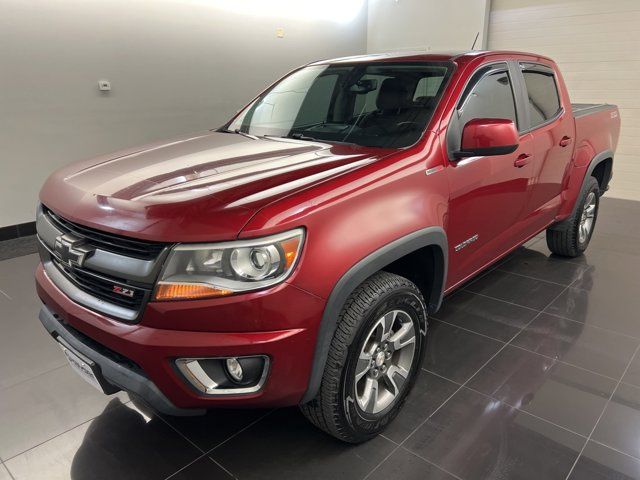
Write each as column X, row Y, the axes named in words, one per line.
column 424, row 56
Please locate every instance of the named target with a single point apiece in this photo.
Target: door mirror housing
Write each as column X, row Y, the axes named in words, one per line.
column 488, row 136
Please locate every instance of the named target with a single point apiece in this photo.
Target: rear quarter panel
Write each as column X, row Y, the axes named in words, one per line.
column 597, row 134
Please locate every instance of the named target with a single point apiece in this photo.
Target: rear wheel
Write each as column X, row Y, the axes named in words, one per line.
column 571, row 237
column 373, row 361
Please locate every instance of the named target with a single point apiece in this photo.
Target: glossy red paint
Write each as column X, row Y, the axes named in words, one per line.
column 169, row 333
column 351, row 200
column 484, row 133
column 173, row 190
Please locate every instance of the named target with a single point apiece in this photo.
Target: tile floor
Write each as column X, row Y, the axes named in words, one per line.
column 532, row 372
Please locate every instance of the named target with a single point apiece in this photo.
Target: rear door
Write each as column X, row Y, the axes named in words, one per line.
column 488, row 195
column 552, row 129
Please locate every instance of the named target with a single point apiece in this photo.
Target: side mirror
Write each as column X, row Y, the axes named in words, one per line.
column 487, row 136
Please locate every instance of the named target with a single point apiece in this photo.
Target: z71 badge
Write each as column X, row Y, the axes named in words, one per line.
column 127, row 292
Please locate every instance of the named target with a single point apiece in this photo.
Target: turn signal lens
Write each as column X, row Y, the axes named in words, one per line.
column 188, row 291
column 291, row 248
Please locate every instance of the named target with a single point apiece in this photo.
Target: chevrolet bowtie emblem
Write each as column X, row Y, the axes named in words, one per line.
column 72, row 250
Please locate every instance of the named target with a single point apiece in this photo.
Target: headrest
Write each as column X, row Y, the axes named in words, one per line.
column 393, row 94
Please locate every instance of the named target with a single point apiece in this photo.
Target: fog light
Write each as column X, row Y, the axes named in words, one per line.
column 225, row 376
column 234, row 369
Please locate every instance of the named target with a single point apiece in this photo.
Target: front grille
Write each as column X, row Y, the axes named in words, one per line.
column 130, row 247
column 103, row 287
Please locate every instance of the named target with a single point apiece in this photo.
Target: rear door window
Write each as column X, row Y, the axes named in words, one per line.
column 543, row 99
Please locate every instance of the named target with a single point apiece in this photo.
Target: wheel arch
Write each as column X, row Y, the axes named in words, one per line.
column 602, row 161
column 427, row 246
column 602, row 172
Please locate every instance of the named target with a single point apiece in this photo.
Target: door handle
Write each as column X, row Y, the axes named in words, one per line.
column 522, row 160
column 565, row 142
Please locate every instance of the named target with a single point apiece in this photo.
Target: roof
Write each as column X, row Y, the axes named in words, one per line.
column 423, row 56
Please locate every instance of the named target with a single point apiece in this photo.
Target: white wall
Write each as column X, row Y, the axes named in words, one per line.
column 433, row 25
column 597, row 47
column 175, row 66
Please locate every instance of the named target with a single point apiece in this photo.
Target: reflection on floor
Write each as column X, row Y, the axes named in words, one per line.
column 532, row 372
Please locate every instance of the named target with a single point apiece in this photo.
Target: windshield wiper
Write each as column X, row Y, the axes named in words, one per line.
column 295, row 136
column 240, row 132
column 300, row 136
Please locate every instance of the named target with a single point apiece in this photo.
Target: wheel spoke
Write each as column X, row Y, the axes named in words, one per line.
column 590, row 211
column 362, row 367
column 370, row 395
column 387, row 323
column 395, row 377
column 403, row 337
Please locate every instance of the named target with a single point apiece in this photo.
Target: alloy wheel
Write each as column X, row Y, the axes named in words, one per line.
column 385, row 361
column 588, row 217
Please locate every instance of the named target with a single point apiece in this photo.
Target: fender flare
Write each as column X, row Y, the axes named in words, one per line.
column 595, row 161
column 357, row 274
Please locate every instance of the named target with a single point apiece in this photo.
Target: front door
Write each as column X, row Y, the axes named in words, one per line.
column 488, row 195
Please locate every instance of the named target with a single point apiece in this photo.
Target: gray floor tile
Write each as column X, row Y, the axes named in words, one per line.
column 408, row 466
column 429, row 392
column 216, row 426
column 36, row 410
column 455, row 353
column 533, row 263
column 619, row 426
column 27, row 349
column 562, row 394
column 517, row 289
column 284, row 445
column 596, row 349
column 17, row 278
column 121, row 443
column 598, row 462
column 487, row 316
column 203, row 468
column 473, row 436
column 632, row 376
column 608, row 308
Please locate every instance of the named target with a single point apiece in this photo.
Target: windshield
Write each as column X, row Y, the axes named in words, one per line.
column 376, row 104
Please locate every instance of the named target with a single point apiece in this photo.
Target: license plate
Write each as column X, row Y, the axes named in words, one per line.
column 82, row 366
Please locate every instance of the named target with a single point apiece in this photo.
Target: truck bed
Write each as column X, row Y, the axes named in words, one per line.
column 597, row 132
column 581, row 109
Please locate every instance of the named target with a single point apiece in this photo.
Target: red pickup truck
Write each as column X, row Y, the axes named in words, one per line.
column 292, row 257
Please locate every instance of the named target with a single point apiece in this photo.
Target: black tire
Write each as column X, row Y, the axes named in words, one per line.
column 563, row 238
column 334, row 409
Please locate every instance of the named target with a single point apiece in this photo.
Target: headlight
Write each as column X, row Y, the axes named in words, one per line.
column 218, row 270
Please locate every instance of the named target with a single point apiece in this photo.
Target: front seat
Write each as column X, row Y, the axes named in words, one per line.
column 392, row 106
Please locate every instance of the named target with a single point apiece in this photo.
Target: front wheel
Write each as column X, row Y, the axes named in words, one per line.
column 374, row 359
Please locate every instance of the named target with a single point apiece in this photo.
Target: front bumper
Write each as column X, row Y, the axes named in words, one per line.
column 139, row 358
column 120, row 374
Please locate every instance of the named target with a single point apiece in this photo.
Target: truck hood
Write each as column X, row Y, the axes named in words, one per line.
column 203, row 187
